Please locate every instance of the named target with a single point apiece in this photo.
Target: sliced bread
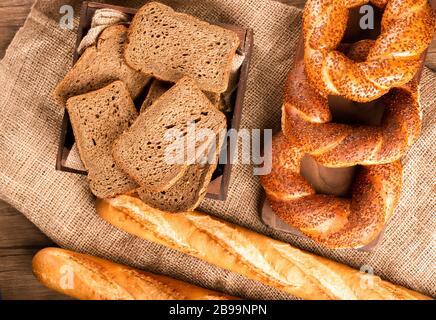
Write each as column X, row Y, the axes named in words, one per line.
column 99, row 66
column 98, row 118
column 188, row 192
column 185, row 195
column 171, row 45
column 157, row 88
column 154, row 150
column 217, row 100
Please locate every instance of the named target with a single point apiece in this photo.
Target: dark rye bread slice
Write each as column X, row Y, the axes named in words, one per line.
column 159, row 87
column 148, row 150
column 188, row 192
column 170, row 45
column 216, row 99
column 185, row 195
column 98, row 118
column 99, row 66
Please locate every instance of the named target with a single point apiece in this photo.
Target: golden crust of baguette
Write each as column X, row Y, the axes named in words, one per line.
column 89, row 278
column 242, row 251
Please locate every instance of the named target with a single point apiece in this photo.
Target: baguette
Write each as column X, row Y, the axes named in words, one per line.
column 92, row 278
column 242, row 251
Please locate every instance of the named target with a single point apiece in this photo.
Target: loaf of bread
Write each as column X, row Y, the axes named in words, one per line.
column 242, row 251
column 171, row 45
column 89, row 278
column 98, row 118
column 100, row 65
column 156, row 161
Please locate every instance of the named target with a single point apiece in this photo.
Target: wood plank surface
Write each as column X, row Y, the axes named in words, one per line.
column 19, row 241
column 19, row 238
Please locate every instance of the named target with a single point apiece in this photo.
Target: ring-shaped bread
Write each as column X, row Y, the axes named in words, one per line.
column 307, row 123
column 332, row 221
column 407, row 29
column 308, row 129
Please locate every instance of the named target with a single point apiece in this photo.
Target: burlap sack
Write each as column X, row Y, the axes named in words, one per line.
column 61, row 205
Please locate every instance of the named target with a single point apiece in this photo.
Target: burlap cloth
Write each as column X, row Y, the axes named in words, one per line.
column 61, row 205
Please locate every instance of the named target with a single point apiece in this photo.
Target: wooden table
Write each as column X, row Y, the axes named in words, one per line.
column 19, row 238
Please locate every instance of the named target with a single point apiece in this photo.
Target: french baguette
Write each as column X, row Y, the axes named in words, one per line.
column 242, row 251
column 89, row 278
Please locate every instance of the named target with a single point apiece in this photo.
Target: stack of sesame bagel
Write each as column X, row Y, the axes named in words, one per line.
column 383, row 69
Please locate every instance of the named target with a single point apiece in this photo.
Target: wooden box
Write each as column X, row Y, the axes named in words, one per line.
column 218, row 187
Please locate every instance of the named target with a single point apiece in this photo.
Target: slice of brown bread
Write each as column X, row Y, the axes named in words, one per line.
column 98, row 118
column 213, row 97
column 157, row 88
column 185, row 195
column 217, row 100
column 99, row 66
column 171, row 45
column 188, row 192
column 149, row 154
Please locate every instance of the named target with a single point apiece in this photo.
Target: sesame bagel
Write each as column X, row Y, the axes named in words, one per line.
column 308, row 129
column 307, row 123
column 407, row 29
column 332, row 221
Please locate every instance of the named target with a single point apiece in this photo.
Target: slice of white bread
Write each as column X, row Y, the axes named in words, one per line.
column 98, row 118
column 170, row 45
column 99, row 66
column 144, row 151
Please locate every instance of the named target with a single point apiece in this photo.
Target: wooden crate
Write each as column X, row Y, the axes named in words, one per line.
column 219, row 185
